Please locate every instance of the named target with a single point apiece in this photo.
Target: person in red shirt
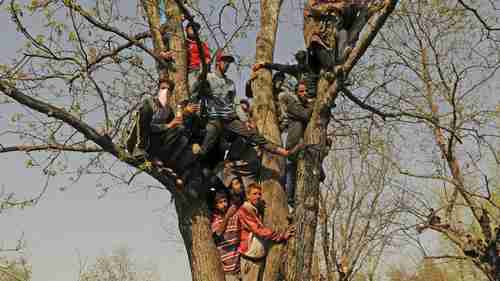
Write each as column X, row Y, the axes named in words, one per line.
column 194, row 55
column 254, row 236
column 226, row 232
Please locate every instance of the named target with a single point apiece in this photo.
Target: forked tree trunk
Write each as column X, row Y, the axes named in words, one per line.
column 192, row 211
column 264, row 111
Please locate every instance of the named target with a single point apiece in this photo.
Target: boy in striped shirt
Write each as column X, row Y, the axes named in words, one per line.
column 226, row 232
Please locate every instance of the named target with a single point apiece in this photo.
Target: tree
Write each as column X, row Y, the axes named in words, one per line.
column 118, row 266
column 444, row 67
column 14, row 270
column 361, row 206
column 82, row 73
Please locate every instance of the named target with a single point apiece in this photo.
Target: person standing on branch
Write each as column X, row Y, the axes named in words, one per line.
column 254, row 236
column 194, row 55
column 226, row 232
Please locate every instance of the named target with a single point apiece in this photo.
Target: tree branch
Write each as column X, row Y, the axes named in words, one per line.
column 478, row 16
column 365, row 106
column 42, row 147
column 102, row 140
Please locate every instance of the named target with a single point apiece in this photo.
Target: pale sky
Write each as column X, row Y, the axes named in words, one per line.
column 74, row 226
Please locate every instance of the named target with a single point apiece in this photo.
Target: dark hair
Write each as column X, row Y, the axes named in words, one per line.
column 236, row 178
column 196, row 26
column 170, row 83
column 301, row 56
column 278, row 76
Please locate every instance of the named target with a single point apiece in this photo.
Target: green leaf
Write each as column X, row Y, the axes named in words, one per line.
column 72, row 36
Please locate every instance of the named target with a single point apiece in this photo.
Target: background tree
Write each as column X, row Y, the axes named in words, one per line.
column 361, row 206
column 118, row 266
column 444, row 62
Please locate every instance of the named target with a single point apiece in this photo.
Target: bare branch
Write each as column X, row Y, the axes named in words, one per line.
column 44, row 147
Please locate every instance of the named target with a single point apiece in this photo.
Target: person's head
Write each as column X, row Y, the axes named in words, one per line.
column 301, row 57
column 222, row 61
column 236, row 184
column 245, row 105
column 301, row 89
column 190, row 29
column 278, row 79
column 254, row 194
column 165, row 86
column 221, row 203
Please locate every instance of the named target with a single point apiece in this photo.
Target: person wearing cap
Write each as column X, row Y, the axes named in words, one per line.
column 221, row 111
column 226, row 232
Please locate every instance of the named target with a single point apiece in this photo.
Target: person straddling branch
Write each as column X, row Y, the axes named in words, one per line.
column 254, row 236
column 226, row 232
column 167, row 139
column 221, row 112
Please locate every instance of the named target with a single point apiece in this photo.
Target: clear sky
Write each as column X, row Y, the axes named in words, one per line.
column 71, row 226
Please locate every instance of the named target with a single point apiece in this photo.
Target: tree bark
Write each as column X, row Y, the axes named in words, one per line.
column 194, row 226
column 264, row 111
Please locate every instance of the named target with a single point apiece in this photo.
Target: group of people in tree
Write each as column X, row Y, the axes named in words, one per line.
column 190, row 139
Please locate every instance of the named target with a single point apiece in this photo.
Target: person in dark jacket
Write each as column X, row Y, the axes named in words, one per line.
column 165, row 133
column 302, row 71
column 299, row 112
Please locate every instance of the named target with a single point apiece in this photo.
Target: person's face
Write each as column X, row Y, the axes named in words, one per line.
column 278, row 84
column 244, row 107
column 254, row 196
column 236, row 185
column 302, row 90
column 164, row 89
column 190, row 32
column 221, row 205
column 223, row 66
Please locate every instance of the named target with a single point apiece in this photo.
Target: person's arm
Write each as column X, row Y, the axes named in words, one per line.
column 219, row 225
column 206, row 50
column 250, row 221
column 292, row 69
column 170, row 123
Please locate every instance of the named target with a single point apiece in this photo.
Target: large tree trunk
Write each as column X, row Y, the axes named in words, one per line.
column 195, row 230
column 265, row 115
column 192, row 210
column 300, row 251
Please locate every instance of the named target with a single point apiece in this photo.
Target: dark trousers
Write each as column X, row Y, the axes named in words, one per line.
column 294, row 134
column 217, row 127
